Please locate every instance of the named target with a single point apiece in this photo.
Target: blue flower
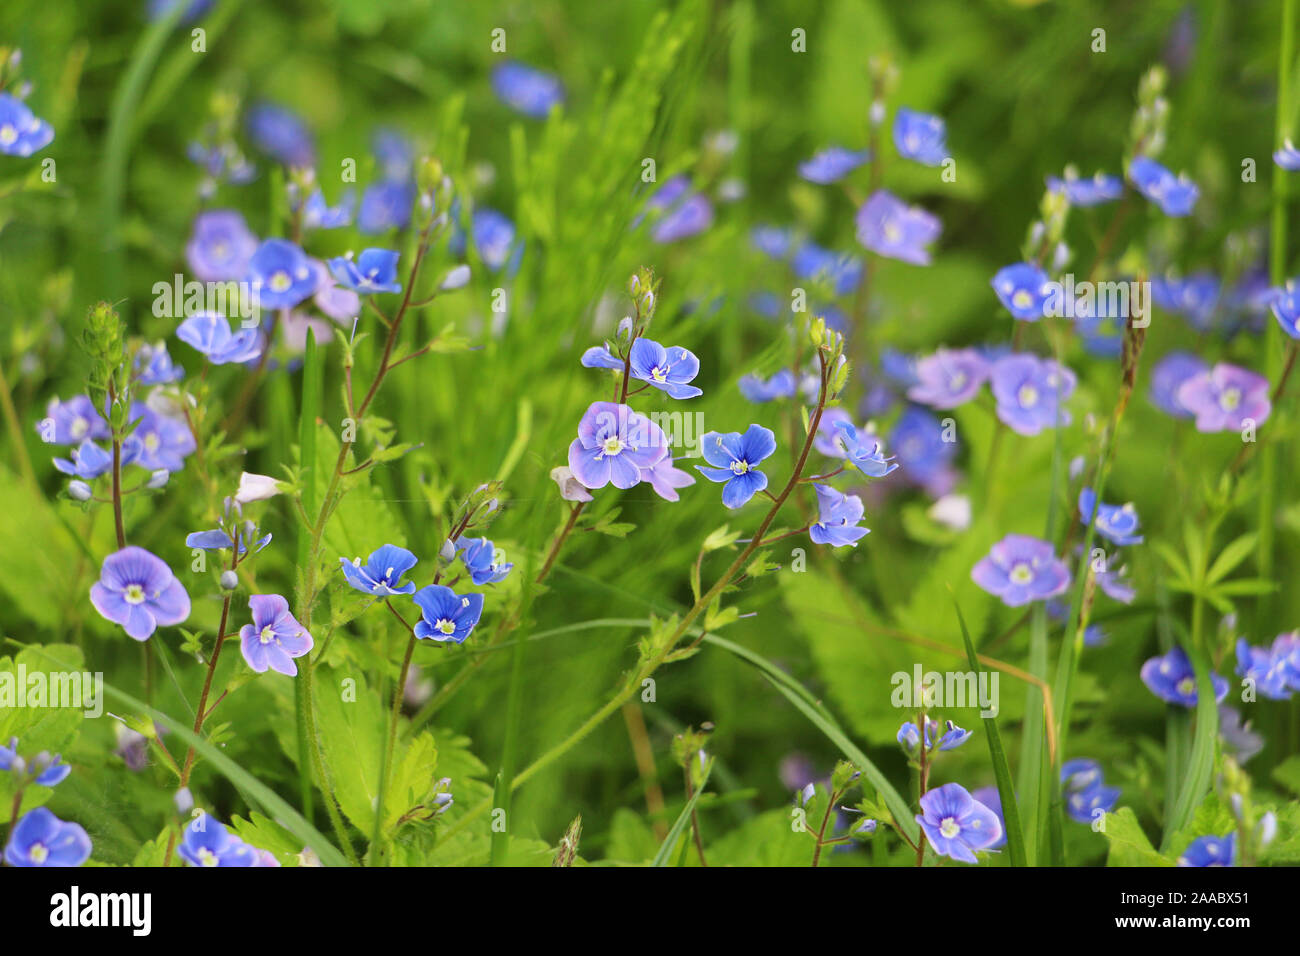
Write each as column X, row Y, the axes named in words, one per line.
column 210, row 334
column 665, row 479
column 1288, row 157
column 137, row 590
column 990, row 798
column 949, row 378
column 71, row 422
column 840, row 271
column 780, row 385
column 479, row 556
column 154, row 366
column 42, row 839
column 1171, row 678
column 1021, row 569
column 1195, row 298
column 281, row 134
column 772, row 240
column 1082, row 806
column 1092, row 191
column 1030, row 392
column 87, row 461
column 163, row 442
column 385, row 205
column 735, row 458
column 44, row 770
column 1285, row 303
column 669, row 370
column 220, row 247
column 918, row 442
column 1023, row 288
column 318, row 214
column 1168, row 376
column 445, row 615
column 889, row 227
column 1079, row 774
column 219, row 540
column 1115, row 523
column 1270, row 667
column 209, row 843
column 838, row 515
column 865, row 454
column 683, row 213
column 832, row 164
column 21, row 132
column 909, row 735
column 615, row 445
column 956, row 824
column 527, row 90
column 274, row 638
column 281, row 274
column 1175, row 195
column 494, row 239
column 381, row 575
column 953, row 737
column 375, row 270
column 1210, row 851
column 920, row 136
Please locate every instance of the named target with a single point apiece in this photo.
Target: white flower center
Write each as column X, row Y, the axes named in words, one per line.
column 739, row 467
column 949, row 827
column 1027, row 396
column 134, row 594
column 39, row 853
column 1021, row 574
column 280, row 281
column 207, row 857
column 612, row 445
column 267, row 635
column 445, row 626
column 8, row 134
column 1230, row 399
column 1022, row 299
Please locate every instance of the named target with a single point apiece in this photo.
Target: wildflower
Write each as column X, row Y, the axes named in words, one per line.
column 953, row 737
column 1083, row 805
column 1115, row 523
column 1092, row 191
column 956, row 824
column 909, row 735
column 341, row 305
column 87, row 461
column 772, row 240
column 756, row 389
column 381, row 575
column 445, row 615
column 1195, row 297
column 163, row 442
column 456, row 278
column 385, row 205
column 1226, row 398
column 842, row 272
column 220, row 247
column 80, row 491
column 526, row 89
column 920, row 137
column 255, row 488
column 1243, row 742
column 990, row 798
column 318, row 214
column 44, row 770
column 494, row 239
column 1288, row 157
column 865, row 454
column 838, row 515
column 375, row 270
column 734, row 459
column 1285, row 303
column 924, row 456
column 42, row 839
column 571, row 489
column 1168, row 376
column 1021, row 569
column 832, row 164
column 153, row 366
column 1210, row 851
column 21, row 132
column 949, row 378
column 72, row 422
column 827, row 441
column 1175, row 195
column 137, row 590
column 615, row 444
column 281, row 134
column 669, row 370
column 1023, row 288
column 1171, row 678
column 281, row 274
column 220, row 540
column 683, row 213
column 479, row 556
column 1270, row 668
column 889, row 227
column 274, row 638
column 1030, row 392
column 665, row 478
column 210, row 334
column 209, row 843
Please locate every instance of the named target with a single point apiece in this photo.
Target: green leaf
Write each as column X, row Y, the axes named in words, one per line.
column 350, row 731
column 1200, row 765
column 1236, row 552
column 683, row 818
column 1129, row 846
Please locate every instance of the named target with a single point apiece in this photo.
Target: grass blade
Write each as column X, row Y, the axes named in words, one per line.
column 679, row 825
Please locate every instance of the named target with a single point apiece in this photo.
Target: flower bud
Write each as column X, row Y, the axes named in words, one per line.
column 159, row 478
column 79, row 491
column 229, row 580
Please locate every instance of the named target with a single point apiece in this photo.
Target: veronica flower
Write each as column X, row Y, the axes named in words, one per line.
column 734, row 459
column 756, row 389
column 222, row 163
column 154, row 366
column 865, row 454
column 208, row 843
column 1023, row 288
column 42, row 839
column 772, row 240
column 953, row 737
column 381, row 575
column 1079, row 774
column 274, row 638
column 72, row 422
column 1168, row 376
column 220, row 247
column 949, row 378
column 889, row 227
column 281, row 274
column 1021, row 569
column 494, row 239
column 1288, row 157
column 571, row 489
column 909, row 735
column 45, row 770
column 838, row 515
column 615, row 444
column 220, row 540
column 1092, row 191
column 210, row 334
column 1210, row 850
column 281, row 134
column 1195, row 297
column 918, row 442
column 164, row 442
column 956, row 824
column 1082, row 806
column 1267, row 667
column 137, row 590
column 1285, row 303
column 842, row 272
column 920, row 137
column 1171, row 678
column 21, row 132
column 1243, row 742
column 1175, row 195
column 669, row 370
column 1115, row 523
column 990, row 798
column 385, row 205
column 526, row 89
column 832, row 164
column 1113, row 579
column 375, row 270
column 479, row 556
column 1030, row 392
column 318, row 214
column 341, row 305
column 446, row 616
column 827, row 440
column 665, row 479
column 87, row 461
column 684, row 213
column 1225, row 398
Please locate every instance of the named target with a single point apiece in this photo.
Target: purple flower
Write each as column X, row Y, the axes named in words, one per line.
column 1241, row 740
column 381, row 575
column 920, row 137
column 1115, row 523
column 1092, row 191
column 138, row 591
column 220, row 247
column 989, row 797
column 445, row 615
column 154, row 366
column 1285, row 303
column 1030, row 392
column 21, row 132
column 1023, row 288
column 209, row 843
column 281, row 274
column 42, row 769
column 274, row 638
column 838, row 515
column 828, row 439
column 918, row 441
column 615, row 444
column 889, row 227
column 1271, row 668
column 909, row 735
column 72, row 422
column 1175, row 195
column 953, row 737
column 1195, row 298
column 494, row 239
column 735, row 458
column 840, row 271
column 318, row 214
column 1210, row 850
column 832, row 164
column 1225, row 398
column 1168, row 376
column 1171, row 678
column 87, row 461
column 281, row 134
column 949, row 378
column 158, row 441
column 780, row 385
column 570, row 488
column 665, row 478
column 669, row 370
column 479, row 556
column 1079, row 774
column 220, row 540
column 1113, row 579
column 1021, row 569
column 683, row 213
column 375, row 270
column 772, row 240
column 1288, row 157
column 527, row 90
column 865, row 454
column 1082, row 806
column 956, row 824
column 385, row 205
column 42, row 839
column 210, row 334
